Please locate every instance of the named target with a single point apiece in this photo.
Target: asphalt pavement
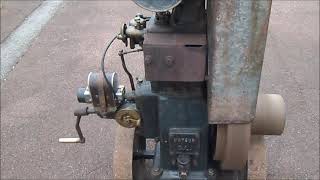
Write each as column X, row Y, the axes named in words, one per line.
column 13, row 13
column 38, row 97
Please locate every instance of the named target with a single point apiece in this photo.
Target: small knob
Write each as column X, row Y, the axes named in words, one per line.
column 84, row 96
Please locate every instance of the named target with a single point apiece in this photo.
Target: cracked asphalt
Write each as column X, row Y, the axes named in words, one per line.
column 38, row 96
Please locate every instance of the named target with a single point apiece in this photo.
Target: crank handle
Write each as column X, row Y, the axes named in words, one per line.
column 80, row 138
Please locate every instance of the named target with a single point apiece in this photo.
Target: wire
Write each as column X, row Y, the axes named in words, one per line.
column 121, row 53
column 102, row 65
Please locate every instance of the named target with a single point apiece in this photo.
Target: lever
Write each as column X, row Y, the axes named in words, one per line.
column 80, row 139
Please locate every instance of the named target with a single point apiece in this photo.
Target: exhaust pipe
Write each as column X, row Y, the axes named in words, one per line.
column 270, row 115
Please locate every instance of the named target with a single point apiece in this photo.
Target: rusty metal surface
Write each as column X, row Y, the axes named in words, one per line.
column 175, row 57
column 237, row 32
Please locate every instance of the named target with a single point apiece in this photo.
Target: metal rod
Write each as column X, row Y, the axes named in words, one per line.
column 128, row 52
column 121, row 53
column 143, row 155
column 82, row 139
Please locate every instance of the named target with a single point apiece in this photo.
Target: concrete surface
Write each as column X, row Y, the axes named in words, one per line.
column 38, row 97
column 13, row 13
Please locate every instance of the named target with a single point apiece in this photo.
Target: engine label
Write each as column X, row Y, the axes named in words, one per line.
column 184, row 141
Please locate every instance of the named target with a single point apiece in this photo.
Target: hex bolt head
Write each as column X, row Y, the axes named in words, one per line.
column 147, row 60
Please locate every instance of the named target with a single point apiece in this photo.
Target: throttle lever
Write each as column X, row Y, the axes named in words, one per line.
column 80, row 139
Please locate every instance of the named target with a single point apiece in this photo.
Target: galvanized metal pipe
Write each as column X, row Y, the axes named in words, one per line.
column 237, row 33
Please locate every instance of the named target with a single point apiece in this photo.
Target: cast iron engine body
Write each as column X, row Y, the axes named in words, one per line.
column 188, row 103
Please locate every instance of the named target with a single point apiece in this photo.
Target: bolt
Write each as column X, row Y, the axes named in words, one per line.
column 156, row 171
column 211, row 172
column 169, row 61
column 147, row 60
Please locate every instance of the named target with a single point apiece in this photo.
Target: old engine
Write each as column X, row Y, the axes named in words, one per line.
column 197, row 110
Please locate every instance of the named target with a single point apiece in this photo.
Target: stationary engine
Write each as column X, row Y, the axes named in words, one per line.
column 198, row 108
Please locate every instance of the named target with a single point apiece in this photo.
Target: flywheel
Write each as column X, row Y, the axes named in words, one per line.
column 127, row 142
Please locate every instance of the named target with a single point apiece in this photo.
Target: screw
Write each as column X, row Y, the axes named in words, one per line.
column 169, row 61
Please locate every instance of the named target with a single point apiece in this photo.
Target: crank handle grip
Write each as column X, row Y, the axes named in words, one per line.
column 71, row 140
